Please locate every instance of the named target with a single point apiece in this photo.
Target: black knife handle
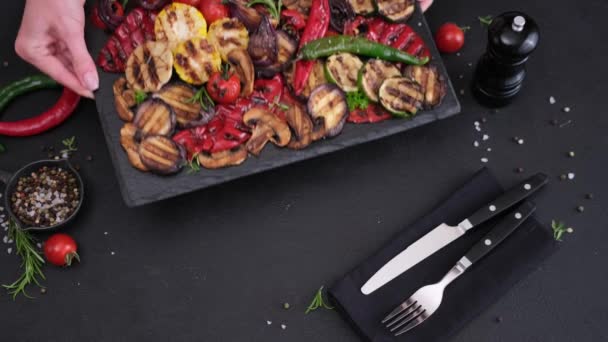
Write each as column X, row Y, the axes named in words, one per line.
column 509, row 199
column 500, row 232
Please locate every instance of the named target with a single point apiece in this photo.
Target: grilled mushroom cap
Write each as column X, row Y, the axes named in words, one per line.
column 217, row 160
column 129, row 140
column 265, row 127
column 241, row 62
column 124, row 99
column 301, row 127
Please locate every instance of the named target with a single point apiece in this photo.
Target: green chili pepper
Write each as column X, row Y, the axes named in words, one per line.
column 359, row 46
column 8, row 93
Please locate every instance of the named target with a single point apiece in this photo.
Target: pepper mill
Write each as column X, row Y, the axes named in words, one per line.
column 501, row 70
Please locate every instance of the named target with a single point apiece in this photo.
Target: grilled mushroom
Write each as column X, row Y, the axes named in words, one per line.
column 240, row 61
column 154, row 117
column 217, row 160
column 129, row 140
column 301, row 127
column 161, row 154
column 124, row 99
column 265, row 127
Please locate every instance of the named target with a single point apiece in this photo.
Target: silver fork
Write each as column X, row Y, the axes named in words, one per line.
column 424, row 302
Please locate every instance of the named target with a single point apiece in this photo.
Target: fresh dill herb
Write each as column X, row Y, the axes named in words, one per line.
column 559, row 228
column 318, row 302
column 194, row 165
column 70, row 145
column 485, row 20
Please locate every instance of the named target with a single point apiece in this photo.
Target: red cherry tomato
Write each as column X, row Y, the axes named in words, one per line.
column 449, row 38
column 194, row 3
column 213, row 10
column 224, row 90
column 60, row 249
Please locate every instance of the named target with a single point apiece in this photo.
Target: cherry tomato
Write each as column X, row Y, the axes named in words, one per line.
column 194, row 3
column 213, row 10
column 224, row 90
column 60, row 249
column 449, row 38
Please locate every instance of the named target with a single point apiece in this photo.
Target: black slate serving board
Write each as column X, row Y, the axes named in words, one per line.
column 139, row 188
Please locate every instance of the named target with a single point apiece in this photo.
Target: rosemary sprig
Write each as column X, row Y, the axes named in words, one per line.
column 140, row 96
column 273, row 8
column 203, row 98
column 318, row 302
column 31, row 261
column 194, row 165
column 69, row 144
column 485, row 20
column 559, row 228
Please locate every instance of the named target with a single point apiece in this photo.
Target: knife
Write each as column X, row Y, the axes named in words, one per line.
column 443, row 234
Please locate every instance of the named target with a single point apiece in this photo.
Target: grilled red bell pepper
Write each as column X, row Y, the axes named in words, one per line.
column 371, row 114
column 294, row 18
column 316, row 27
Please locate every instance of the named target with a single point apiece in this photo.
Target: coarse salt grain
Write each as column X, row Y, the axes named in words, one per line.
column 570, row 175
column 489, row 149
column 566, row 109
column 552, row 100
column 476, row 143
column 478, row 129
column 484, row 160
column 9, row 250
column 268, row 322
column 283, row 326
column 5, row 239
column 485, row 137
column 520, row 141
column 112, row 253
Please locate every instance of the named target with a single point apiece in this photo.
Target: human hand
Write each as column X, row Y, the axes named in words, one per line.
column 51, row 38
column 425, row 4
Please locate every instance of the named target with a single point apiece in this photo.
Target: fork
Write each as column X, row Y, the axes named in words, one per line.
column 424, row 302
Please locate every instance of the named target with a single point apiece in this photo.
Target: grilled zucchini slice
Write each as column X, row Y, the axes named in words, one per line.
column 396, row 10
column 373, row 73
column 154, row 117
column 179, row 22
column 343, row 70
column 328, row 108
column 180, row 96
column 228, row 34
column 129, row 136
column 161, row 155
column 149, row 67
column 432, row 83
column 362, row 7
column 401, row 96
column 195, row 60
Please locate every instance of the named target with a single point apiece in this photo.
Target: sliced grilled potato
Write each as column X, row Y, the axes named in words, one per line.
column 154, row 117
column 363, row 7
column 343, row 69
column 217, row 160
column 195, row 60
column 228, row 34
column 179, row 96
column 149, row 67
column 401, row 96
column 129, row 136
column 373, row 73
column 431, row 81
column 161, row 154
column 396, row 10
column 179, row 22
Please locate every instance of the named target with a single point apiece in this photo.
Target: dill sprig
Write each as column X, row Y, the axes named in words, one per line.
column 318, row 302
column 70, row 145
column 194, row 165
column 559, row 228
column 485, row 20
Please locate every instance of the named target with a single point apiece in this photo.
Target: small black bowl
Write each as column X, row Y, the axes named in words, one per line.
column 11, row 179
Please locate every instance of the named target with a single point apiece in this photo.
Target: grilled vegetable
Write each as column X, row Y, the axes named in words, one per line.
column 362, row 7
column 343, row 69
column 124, row 99
column 129, row 140
column 265, row 127
column 241, row 63
column 373, row 73
column 228, row 34
column 396, row 10
column 149, row 67
column 263, row 45
column 249, row 16
column 431, row 81
column 196, row 60
column 29, row 84
column 152, row 5
column 328, row 108
column 224, row 88
column 298, row 5
column 179, row 97
column 301, row 126
column 179, row 22
column 154, row 117
column 217, row 160
column 315, row 79
column 287, row 48
column 401, row 96
column 341, row 12
column 161, row 155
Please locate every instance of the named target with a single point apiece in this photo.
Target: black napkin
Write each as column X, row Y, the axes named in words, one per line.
column 464, row 299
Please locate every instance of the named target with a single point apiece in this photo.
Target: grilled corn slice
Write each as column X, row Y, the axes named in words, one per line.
column 227, row 35
column 149, row 67
column 195, row 60
column 179, row 22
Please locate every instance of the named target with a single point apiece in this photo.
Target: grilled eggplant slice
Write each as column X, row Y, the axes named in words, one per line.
column 161, row 154
column 343, row 70
column 432, row 83
column 129, row 140
column 373, row 73
column 228, row 34
column 401, row 96
column 328, row 108
column 396, row 10
column 177, row 23
column 265, row 127
column 218, row 160
column 149, row 67
column 240, row 61
column 180, row 97
column 124, row 99
column 155, row 117
column 287, row 48
column 195, row 60
column 316, row 78
column 363, row 7
column 301, row 127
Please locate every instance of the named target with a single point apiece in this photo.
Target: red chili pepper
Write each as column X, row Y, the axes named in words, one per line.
column 295, row 18
column 51, row 118
column 318, row 22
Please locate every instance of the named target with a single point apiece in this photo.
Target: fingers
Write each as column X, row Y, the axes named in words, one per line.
column 425, row 4
column 82, row 63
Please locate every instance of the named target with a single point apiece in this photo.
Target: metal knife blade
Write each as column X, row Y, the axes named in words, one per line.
column 433, row 241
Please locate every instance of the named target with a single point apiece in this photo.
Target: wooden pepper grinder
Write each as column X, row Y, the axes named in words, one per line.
column 500, row 72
